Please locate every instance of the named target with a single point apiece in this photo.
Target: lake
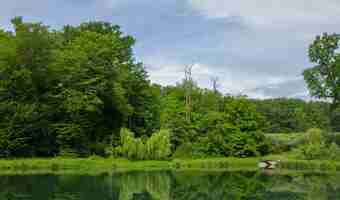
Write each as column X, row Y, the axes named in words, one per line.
column 166, row 185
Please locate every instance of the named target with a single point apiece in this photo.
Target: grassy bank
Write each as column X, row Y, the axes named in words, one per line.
column 109, row 165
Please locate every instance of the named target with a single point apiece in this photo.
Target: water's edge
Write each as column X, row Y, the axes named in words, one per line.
column 110, row 165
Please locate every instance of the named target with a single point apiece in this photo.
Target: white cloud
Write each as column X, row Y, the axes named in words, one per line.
column 109, row 3
column 264, row 46
column 291, row 87
column 165, row 71
column 270, row 11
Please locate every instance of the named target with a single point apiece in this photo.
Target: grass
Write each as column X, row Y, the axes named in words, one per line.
column 108, row 165
column 285, row 137
column 112, row 165
column 97, row 165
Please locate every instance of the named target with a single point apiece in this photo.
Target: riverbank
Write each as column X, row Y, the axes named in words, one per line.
column 108, row 165
column 95, row 165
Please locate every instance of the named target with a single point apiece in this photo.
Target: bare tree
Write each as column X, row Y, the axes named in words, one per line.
column 215, row 84
column 188, row 90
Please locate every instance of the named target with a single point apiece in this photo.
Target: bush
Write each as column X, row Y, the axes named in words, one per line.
column 128, row 148
column 217, row 142
column 316, row 147
column 333, row 152
column 184, row 151
column 228, row 140
column 157, row 147
column 245, row 144
column 182, row 132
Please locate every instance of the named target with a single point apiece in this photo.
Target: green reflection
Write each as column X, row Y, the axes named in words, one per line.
column 166, row 185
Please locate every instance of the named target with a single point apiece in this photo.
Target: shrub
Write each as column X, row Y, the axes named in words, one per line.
column 128, row 148
column 262, row 143
column 228, row 140
column 217, row 142
column 333, row 152
column 244, row 145
column 184, row 151
column 141, row 150
column 314, row 136
column 182, row 132
column 316, row 147
column 157, row 147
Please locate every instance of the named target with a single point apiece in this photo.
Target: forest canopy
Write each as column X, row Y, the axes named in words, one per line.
column 79, row 91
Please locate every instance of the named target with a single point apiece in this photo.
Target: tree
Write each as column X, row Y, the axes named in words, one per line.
column 285, row 115
column 215, row 84
column 323, row 79
column 242, row 113
column 89, row 71
column 24, row 84
column 188, row 83
column 70, row 90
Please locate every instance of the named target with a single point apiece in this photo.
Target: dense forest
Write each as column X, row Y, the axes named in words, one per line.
column 79, row 91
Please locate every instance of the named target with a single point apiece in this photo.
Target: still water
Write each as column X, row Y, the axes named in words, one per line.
column 166, row 185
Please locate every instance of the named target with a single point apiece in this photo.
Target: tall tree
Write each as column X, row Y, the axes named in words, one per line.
column 24, row 85
column 70, row 90
column 188, row 83
column 215, row 84
column 323, row 79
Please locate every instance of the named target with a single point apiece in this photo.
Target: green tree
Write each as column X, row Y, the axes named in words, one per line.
column 24, row 85
column 89, row 72
column 242, row 113
column 284, row 115
column 70, row 90
column 157, row 147
column 323, row 79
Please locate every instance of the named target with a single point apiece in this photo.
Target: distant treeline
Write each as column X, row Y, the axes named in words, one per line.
column 71, row 91
column 285, row 115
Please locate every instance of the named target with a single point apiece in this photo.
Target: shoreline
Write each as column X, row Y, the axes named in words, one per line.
column 113, row 165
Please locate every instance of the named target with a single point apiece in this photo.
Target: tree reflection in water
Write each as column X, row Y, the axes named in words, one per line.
column 166, row 185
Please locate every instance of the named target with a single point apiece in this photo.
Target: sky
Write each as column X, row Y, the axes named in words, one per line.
column 254, row 47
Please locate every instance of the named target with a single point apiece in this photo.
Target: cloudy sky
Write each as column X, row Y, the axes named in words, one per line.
column 254, row 47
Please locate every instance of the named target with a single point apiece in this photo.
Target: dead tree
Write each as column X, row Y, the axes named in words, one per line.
column 215, row 85
column 188, row 91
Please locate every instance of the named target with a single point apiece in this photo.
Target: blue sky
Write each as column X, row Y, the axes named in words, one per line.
column 254, row 47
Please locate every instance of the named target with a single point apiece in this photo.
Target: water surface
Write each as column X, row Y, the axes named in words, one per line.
column 166, row 185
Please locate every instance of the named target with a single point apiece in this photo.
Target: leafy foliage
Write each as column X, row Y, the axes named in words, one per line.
column 228, row 140
column 220, row 126
column 157, row 147
column 315, row 147
column 70, row 90
column 292, row 115
column 323, row 79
